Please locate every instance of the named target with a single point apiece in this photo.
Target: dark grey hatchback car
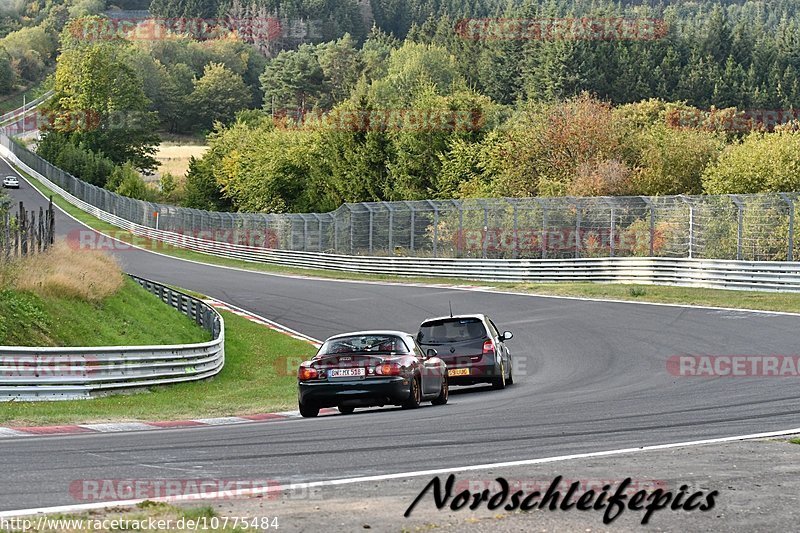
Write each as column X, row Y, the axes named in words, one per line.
column 472, row 347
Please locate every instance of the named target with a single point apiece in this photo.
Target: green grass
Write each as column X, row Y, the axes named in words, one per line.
column 258, row 376
column 795, row 441
column 130, row 317
column 768, row 301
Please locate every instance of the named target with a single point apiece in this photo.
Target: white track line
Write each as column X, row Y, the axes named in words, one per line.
column 386, row 477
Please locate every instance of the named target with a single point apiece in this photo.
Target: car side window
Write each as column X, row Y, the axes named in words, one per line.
column 494, row 330
column 417, row 350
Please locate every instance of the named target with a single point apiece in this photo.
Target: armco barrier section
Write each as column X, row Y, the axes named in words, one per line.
column 727, row 274
column 34, row 373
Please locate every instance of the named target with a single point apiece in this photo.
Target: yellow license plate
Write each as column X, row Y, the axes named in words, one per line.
column 458, row 372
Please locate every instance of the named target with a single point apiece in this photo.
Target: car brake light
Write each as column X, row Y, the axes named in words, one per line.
column 388, row 369
column 305, row 373
column 488, row 347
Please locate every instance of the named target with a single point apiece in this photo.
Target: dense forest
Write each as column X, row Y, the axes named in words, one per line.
column 375, row 100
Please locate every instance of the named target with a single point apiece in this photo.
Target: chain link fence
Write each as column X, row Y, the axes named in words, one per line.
column 744, row 227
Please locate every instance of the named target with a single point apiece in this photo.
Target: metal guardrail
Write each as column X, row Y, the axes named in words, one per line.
column 35, row 373
column 723, row 274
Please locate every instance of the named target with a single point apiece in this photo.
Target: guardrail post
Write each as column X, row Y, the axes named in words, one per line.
column 790, row 203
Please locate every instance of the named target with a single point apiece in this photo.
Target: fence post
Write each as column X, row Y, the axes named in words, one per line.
column 652, row 209
column 413, row 212
column 485, row 243
column 513, row 202
column 389, row 208
column 790, row 203
column 371, row 222
column 461, row 238
column 435, row 226
column 739, row 223
column 688, row 201
column 543, row 240
column 612, row 226
column 578, row 214
column 305, row 234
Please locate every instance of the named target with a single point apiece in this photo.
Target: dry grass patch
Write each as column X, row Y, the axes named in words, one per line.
column 88, row 275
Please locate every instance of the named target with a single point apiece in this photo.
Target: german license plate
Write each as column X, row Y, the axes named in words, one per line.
column 346, row 372
column 458, row 372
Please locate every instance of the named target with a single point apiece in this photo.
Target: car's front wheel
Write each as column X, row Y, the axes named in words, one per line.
column 345, row 410
column 414, row 394
column 444, row 393
column 308, row 411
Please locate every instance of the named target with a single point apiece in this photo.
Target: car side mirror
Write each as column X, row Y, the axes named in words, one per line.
column 431, row 352
column 507, row 335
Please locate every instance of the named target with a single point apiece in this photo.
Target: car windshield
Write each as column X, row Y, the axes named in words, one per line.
column 365, row 344
column 451, row 330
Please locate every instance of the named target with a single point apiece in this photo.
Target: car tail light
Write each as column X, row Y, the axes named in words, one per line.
column 488, row 347
column 388, row 369
column 306, row 372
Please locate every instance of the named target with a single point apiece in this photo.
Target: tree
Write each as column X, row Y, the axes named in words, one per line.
column 762, row 162
column 294, row 81
column 7, row 74
column 100, row 102
column 218, row 95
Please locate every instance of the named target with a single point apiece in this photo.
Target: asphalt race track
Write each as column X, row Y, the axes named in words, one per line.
column 595, row 379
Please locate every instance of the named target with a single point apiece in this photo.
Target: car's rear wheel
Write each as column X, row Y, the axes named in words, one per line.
column 308, row 411
column 414, row 394
column 345, row 410
column 444, row 393
column 499, row 382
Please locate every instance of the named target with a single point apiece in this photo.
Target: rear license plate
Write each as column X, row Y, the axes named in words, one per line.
column 346, row 372
column 458, row 372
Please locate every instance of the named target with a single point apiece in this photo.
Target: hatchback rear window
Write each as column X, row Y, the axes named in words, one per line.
column 451, row 330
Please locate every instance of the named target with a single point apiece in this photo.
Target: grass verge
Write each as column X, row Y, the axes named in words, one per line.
column 258, row 376
column 66, row 297
column 767, row 301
